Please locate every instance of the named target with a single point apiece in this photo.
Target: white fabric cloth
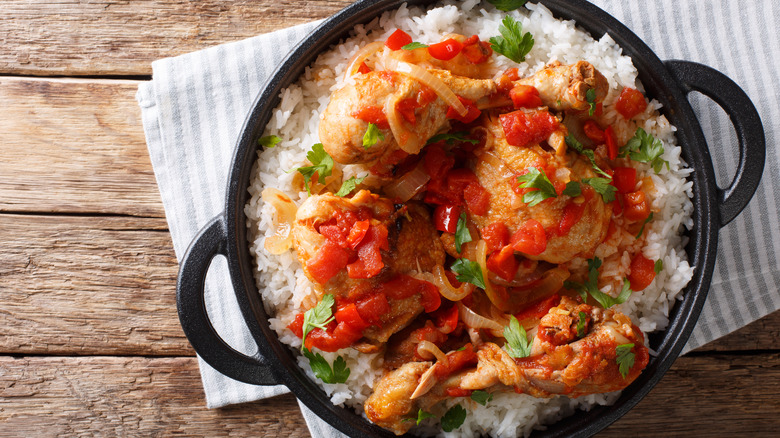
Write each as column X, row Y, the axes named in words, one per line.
column 195, row 105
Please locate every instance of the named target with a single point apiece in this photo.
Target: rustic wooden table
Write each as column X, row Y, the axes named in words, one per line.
column 91, row 343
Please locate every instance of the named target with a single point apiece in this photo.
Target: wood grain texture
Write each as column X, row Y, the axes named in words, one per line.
column 88, row 285
column 127, row 397
column 111, row 396
column 72, row 145
column 109, row 37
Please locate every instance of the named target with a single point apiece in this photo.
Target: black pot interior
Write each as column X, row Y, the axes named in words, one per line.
column 659, row 84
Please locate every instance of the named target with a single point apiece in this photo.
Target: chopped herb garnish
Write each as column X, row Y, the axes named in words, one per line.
column 602, row 187
column 572, row 189
column 659, row 266
column 507, row 5
column 591, row 287
column 468, row 271
column 535, row 179
column 577, row 146
column 414, row 45
column 581, row 324
column 625, row 358
column 453, row 419
column 642, row 230
column 481, row 397
column 452, row 137
column 318, row 316
column 590, row 97
column 268, row 141
column 372, row 136
column 421, row 415
column 322, row 165
column 348, row 186
column 517, row 343
column 645, row 148
column 322, row 369
column 462, row 234
column 514, row 44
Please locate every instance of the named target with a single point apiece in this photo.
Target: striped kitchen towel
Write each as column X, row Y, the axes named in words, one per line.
column 195, row 106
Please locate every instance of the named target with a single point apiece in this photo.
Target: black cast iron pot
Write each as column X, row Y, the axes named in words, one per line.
column 669, row 82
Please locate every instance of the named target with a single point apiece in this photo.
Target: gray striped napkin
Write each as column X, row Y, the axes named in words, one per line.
column 195, row 105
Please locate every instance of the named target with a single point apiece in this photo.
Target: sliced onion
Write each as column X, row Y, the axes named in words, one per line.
column 497, row 164
column 437, row 85
column 446, row 289
column 362, row 55
column 405, row 187
column 284, row 219
column 407, row 140
column 433, row 351
column 489, row 291
column 474, row 320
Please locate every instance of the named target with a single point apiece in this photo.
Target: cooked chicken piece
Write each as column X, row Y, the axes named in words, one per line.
column 564, row 87
column 497, row 166
column 406, row 112
column 561, row 362
column 413, row 244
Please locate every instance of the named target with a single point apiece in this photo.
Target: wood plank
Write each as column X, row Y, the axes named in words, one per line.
column 111, row 396
column 88, row 285
column 110, row 37
column 77, row 146
column 701, row 396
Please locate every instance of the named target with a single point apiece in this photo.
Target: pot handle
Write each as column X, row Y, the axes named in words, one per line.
column 747, row 123
column 190, row 301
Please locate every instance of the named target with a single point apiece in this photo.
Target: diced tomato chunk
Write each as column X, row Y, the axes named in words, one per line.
column 327, row 262
column 369, row 262
column 593, row 132
column 477, row 199
column 335, row 337
column 523, row 128
column 476, row 51
column 297, row 325
column 472, row 114
column 430, row 298
column 611, row 142
column 363, row 68
column 630, row 103
column 372, row 307
column 445, row 218
column 572, row 213
column 348, row 313
column 357, row 233
column 458, row 179
column 456, row 361
column 642, row 272
column 372, row 114
column 538, row 308
column 530, row 238
column 503, row 263
column 398, row 39
column 624, row 179
column 446, row 49
column 406, row 108
column 458, row 392
column 635, row 206
column 446, row 319
column 496, row 235
column 525, row 96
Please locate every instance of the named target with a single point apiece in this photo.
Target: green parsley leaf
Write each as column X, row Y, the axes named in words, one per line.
column 590, row 97
column 625, row 358
column 517, row 343
column 348, row 186
column 468, row 271
column 414, row 45
column 659, row 266
column 453, row 419
column 591, row 287
column 535, row 179
column 462, row 234
column 642, row 230
column 645, row 148
column 572, row 142
column 572, row 189
column 481, row 397
column 513, row 43
column 507, row 5
column 322, row 165
column 318, row 316
column 268, row 141
column 581, row 324
column 603, row 187
column 322, row 369
column 421, row 415
column 452, row 137
column 372, row 136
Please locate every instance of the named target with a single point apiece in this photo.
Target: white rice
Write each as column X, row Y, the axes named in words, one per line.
column 286, row 291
